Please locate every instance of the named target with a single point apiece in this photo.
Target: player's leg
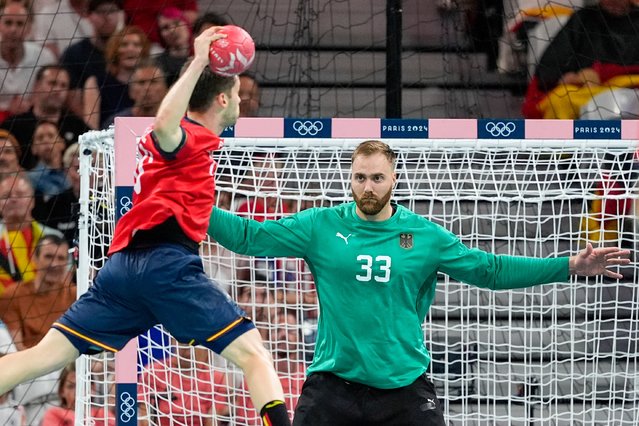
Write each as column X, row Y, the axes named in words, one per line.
column 198, row 312
column 248, row 352
column 52, row 353
column 105, row 318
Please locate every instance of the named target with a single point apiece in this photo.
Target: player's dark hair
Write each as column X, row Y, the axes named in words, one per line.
column 50, row 239
column 209, row 18
column 370, row 147
column 208, row 86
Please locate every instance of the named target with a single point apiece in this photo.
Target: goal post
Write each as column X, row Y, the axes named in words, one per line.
column 563, row 353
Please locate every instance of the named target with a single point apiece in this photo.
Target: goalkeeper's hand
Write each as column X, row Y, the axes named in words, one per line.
column 596, row 261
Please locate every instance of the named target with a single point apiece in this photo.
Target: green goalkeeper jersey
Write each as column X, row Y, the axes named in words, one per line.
column 376, row 281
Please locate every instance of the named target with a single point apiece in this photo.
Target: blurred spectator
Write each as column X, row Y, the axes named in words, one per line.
column 208, row 20
column 9, row 154
column 61, row 211
column 143, row 14
column 18, row 59
column 263, row 179
column 218, row 264
column 107, row 94
column 182, row 390
column 64, row 415
column 86, row 57
column 529, row 31
column 29, row 309
column 19, row 233
column 147, row 88
column 11, row 412
column 249, row 95
column 50, row 94
column 175, row 38
column 594, row 52
column 258, row 301
column 62, row 23
column 48, row 178
column 263, row 204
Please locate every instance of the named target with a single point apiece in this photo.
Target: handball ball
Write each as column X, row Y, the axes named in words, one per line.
column 232, row 55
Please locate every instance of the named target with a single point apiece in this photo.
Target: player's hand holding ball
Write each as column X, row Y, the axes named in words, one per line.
column 233, row 54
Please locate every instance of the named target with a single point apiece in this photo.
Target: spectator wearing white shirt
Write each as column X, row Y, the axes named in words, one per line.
column 19, row 59
column 62, row 24
column 11, row 412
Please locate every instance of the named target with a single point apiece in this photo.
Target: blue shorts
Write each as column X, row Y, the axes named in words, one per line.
column 139, row 288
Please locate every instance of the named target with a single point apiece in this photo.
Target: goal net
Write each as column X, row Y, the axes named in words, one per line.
column 563, row 353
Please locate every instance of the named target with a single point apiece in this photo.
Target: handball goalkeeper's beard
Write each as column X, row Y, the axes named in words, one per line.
column 371, row 205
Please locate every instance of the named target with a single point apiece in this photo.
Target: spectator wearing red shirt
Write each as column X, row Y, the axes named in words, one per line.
column 182, row 390
column 144, row 13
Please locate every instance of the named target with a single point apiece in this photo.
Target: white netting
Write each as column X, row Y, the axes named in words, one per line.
column 556, row 354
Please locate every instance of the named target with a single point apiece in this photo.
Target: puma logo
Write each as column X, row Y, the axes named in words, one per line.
column 345, row 238
column 430, row 403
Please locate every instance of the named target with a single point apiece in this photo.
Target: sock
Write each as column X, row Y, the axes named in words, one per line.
column 274, row 414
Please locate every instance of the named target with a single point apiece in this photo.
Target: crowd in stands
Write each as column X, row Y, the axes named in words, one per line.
column 70, row 66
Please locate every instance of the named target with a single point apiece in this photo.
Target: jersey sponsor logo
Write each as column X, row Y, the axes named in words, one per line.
column 406, row 240
column 345, row 238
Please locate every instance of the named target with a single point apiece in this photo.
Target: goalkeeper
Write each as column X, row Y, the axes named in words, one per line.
column 375, row 266
column 154, row 273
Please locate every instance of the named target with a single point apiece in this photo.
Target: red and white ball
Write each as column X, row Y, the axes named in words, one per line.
column 233, row 54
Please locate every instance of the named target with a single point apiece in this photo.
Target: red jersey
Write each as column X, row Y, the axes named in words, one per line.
column 179, row 184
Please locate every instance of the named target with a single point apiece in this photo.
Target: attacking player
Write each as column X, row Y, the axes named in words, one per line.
column 375, row 266
column 154, row 274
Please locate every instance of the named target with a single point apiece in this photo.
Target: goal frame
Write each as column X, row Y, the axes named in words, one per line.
column 275, row 132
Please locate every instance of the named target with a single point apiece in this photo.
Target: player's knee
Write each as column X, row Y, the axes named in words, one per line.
column 248, row 350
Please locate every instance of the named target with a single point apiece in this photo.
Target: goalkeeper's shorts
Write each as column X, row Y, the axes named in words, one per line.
column 327, row 399
column 139, row 288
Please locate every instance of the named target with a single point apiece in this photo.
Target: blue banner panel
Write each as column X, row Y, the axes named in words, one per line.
column 409, row 128
column 126, row 404
column 123, row 200
column 597, row 129
column 500, row 129
column 228, row 132
column 307, row 128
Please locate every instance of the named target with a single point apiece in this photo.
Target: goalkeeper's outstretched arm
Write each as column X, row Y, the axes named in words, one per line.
column 287, row 237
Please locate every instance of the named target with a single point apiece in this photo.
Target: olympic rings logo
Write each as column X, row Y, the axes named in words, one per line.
column 126, row 204
column 500, row 128
column 308, row 128
column 127, row 407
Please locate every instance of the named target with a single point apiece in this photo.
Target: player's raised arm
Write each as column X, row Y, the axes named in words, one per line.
column 287, row 237
column 166, row 127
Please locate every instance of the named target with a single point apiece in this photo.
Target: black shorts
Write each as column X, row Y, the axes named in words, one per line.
column 328, row 400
